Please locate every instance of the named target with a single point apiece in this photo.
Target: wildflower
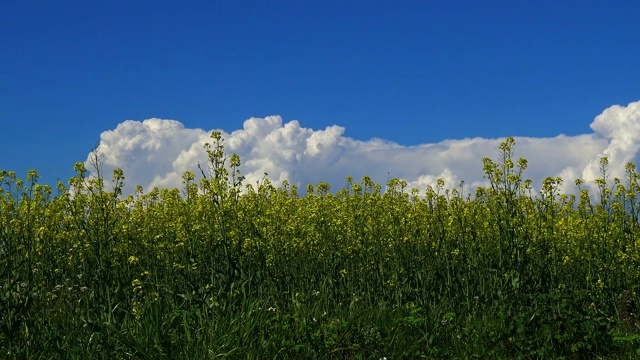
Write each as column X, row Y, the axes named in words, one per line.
column 137, row 286
column 135, row 310
column 83, row 289
column 133, row 260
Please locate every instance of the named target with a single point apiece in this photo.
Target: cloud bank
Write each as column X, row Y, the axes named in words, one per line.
column 155, row 153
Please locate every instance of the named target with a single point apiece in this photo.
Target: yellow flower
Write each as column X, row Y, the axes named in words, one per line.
column 137, row 286
column 135, row 310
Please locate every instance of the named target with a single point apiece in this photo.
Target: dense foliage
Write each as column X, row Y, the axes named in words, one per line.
column 220, row 270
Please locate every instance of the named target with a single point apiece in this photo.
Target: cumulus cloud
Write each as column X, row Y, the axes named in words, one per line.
column 157, row 152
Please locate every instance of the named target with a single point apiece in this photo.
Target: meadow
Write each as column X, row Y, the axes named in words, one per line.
column 222, row 270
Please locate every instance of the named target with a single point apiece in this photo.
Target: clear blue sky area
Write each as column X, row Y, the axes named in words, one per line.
column 412, row 72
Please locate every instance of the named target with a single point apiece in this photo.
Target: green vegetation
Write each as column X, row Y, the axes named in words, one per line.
column 211, row 271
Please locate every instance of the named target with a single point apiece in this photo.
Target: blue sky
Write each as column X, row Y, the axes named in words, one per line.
column 409, row 72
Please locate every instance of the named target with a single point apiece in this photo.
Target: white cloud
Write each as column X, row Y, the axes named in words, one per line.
column 157, row 152
column 620, row 126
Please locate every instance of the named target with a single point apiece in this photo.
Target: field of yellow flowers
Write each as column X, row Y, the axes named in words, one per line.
column 217, row 269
